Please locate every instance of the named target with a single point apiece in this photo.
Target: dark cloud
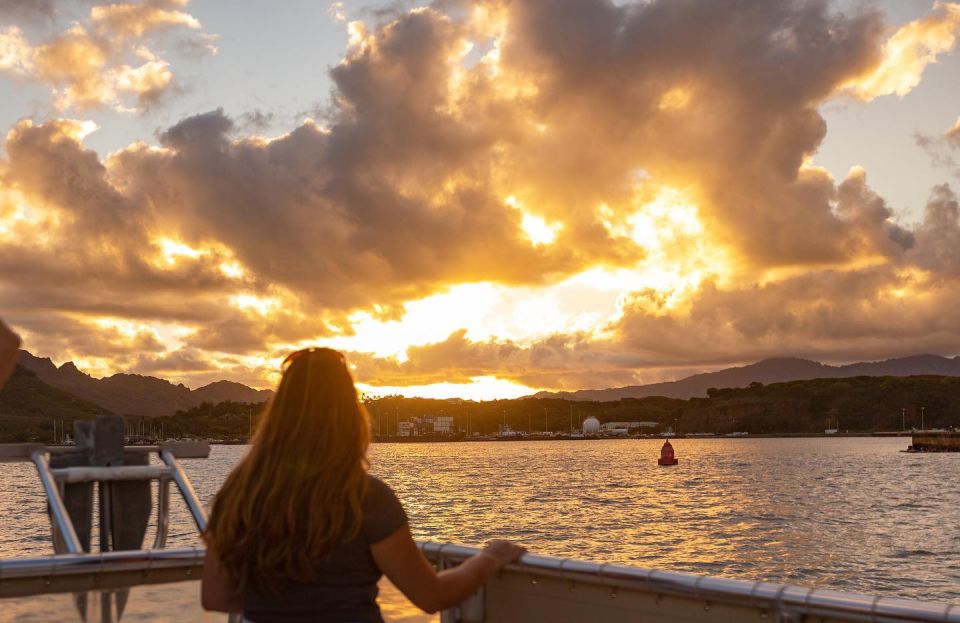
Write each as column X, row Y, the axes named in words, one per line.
column 256, row 121
column 942, row 149
column 939, row 234
column 28, row 9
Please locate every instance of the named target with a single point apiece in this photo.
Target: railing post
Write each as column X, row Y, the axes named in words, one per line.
column 163, row 513
column 57, row 508
column 186, row 490
column 470, row 610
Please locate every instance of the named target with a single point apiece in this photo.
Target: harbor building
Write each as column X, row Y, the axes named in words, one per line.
column 426, row 425
column 591, row 426
column 624, row 428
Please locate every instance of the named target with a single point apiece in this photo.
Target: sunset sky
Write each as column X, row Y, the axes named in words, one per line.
column 478, row 199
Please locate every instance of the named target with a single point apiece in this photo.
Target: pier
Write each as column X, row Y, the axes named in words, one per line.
column 936, row 441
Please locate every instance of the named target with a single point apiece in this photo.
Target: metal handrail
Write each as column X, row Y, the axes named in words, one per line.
column 763, row 596
column 65, row 573
column 110, row 474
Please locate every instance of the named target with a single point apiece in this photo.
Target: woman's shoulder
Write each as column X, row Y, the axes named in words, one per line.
column 382, row 510
column 375, row 483
column 379, row 492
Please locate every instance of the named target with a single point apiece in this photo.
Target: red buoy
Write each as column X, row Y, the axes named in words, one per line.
column 666, row 455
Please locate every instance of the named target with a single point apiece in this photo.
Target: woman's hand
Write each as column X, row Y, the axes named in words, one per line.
column 216, row 592
column 504, row 552
column 402, row 561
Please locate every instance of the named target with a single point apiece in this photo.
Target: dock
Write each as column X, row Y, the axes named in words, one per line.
column 936, row 441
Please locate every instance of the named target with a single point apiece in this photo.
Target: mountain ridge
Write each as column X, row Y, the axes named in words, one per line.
column 774, row 370
column 136, row 394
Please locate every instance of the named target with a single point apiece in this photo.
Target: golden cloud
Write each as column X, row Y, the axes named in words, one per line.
column 907, row 53
column 89, row 66
column 591, row 194
column 953, row 134
column 16, row 55
column 134, row 21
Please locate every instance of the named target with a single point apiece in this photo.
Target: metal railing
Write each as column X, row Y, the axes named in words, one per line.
column 541, row 588
column 52, row 481
column 119, row 565
column 106, row 571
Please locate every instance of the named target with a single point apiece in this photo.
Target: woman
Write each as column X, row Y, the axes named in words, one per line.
column 301, row 532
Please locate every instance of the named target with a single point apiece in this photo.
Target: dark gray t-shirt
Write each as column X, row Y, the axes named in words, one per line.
column 345, row 589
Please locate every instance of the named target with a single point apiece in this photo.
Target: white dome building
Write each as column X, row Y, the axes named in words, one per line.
column 591, row 426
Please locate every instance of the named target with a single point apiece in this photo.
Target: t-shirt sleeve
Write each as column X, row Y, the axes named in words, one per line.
column 383, row 513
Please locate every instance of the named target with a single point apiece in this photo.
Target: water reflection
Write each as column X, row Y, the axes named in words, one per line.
column 850, row 514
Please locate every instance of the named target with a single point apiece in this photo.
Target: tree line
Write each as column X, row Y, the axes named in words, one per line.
column 30, row 410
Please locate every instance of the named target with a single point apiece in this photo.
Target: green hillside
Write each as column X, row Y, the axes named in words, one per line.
column 28, row 408
column 224, row 420
column 863, row 404
column 857, row 404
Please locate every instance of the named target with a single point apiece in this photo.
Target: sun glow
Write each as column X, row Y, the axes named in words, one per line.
column 479, row 388
column 233, row 270
column 911, row 284
column 534, row 227
column 251, row 302
column 679, row 253
column 678, row 258
column 676, row 98
column 171, row 250
column 538, row 230
column 424, row 321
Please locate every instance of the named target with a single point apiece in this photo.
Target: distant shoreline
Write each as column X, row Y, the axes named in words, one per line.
column 439, row 439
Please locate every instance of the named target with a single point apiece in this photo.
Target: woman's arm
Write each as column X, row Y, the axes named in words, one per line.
column 216, row 593
column 402, row 561
column 9, row 345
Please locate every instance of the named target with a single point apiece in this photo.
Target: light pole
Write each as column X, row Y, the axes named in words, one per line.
column 903, row 420
column 922, row 427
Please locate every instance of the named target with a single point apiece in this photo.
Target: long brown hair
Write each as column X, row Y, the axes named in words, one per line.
column 299, row 490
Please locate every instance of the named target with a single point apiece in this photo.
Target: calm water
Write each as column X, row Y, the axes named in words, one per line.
column 851, row 514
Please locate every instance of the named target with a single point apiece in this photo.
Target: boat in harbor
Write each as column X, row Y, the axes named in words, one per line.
column 935, row 441
column 535, row 589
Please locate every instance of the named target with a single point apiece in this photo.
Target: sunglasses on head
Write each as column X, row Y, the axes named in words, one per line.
column 298, row 354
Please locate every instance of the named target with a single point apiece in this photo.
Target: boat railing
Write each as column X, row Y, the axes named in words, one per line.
column 543, row 588
column 102, row 571
column 52, row 480
column 536, row 588
column 124, row 481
